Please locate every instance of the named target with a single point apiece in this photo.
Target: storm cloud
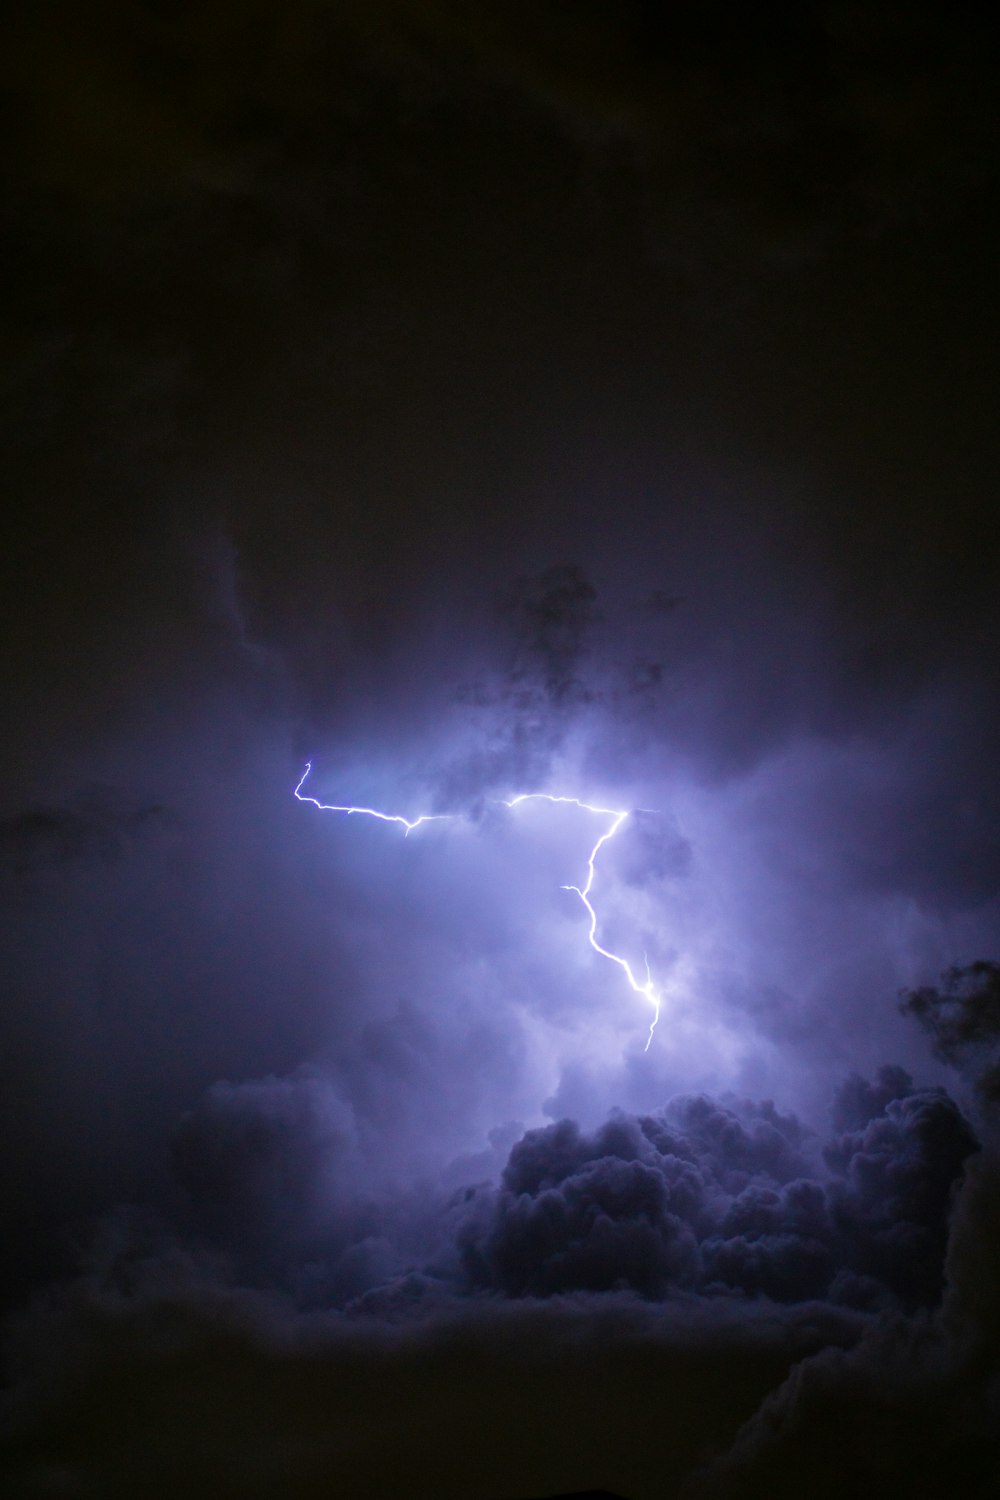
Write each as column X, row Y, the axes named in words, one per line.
column 715, row 1243
column 705, row 1197
column 581, row 405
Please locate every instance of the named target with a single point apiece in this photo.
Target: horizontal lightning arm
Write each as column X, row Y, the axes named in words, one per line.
column 369, row 812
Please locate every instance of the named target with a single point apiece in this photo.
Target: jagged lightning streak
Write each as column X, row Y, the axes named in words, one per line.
column 370, row 812
column 618, row 818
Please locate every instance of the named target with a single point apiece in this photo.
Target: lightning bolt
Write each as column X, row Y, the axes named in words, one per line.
column 618, row 818
column 369, row 812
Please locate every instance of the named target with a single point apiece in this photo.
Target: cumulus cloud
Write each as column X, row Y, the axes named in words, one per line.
column 710, row 1268
column 704, row 1198
column 729, row 1199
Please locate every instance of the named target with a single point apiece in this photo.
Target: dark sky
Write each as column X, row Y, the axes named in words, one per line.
column 591, row 400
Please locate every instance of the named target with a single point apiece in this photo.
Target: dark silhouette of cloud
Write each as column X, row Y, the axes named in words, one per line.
column 100, row 823
column 962, row 1017
column 728, row 1200
column 699, row 1269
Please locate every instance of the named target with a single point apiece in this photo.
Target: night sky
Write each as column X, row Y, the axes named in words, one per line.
column 594, row 400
